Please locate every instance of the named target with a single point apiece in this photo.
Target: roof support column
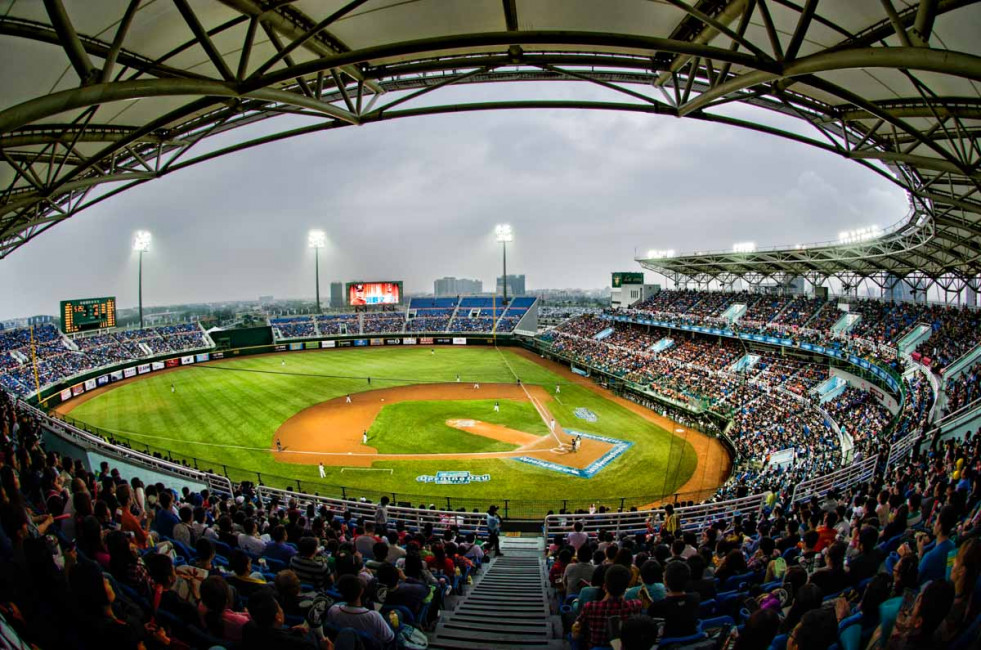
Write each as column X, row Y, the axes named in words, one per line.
column 77, row 55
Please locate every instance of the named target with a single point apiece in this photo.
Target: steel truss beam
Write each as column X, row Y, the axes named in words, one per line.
column 938, row 165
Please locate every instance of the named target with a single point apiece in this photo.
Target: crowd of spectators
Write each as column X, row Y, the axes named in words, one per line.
column 295, row 327
column 334, row 324
column 955, row 329
column 383, row 322
column 120, row 564
column 428, row 323
column 891, row 564
column 59, row 358
column 468, row 324
column 770, row 403
column 963, row 389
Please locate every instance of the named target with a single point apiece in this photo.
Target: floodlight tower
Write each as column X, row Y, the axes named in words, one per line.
column 316, row 240
column 504, row 235
column 141, row 244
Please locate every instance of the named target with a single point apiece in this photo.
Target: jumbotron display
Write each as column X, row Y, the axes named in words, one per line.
column 84, row 314
column 374, row 293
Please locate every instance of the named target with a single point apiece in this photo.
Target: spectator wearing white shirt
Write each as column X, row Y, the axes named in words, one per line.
column 249, row 540
column 577, row 537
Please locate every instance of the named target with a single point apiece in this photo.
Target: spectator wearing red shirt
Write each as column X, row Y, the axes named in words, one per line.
column 827, row 534
column 127, row 520
column 595, row 614
column 438, row 561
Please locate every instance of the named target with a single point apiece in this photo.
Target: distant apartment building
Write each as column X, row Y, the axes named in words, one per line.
column 449, row 286
column 336, row 294
column 516, row 285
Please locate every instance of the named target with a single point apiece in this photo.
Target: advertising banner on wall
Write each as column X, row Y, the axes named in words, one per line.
column 378, row 341
column 66, row 394
column 409, row 341
column 217, row 355
column 310, row 345
column 186, row 361
column 393, row 341
column 345, row 343
column 296, row 346
column 459, row 341
column 426, row 340
column 143, row 368
column 129, row 372
column 328, row 344
column 78, row 389
column 102, row 381
column 201, row 358
column 89, row 384
column 157, row 365
column 115, row 375
column 172, row 363
column 360, row 343
column 280, row 348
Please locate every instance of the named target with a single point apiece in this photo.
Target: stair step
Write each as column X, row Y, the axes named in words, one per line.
column 494, row 640
column 531, row 616
column 478, row 622
column 538, row 630
column 459, row 644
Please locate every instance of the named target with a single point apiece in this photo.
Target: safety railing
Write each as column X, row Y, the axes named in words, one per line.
column 902, row 448
column 694, row 517
column 414, row 519
column 215, row 482
column 855, row 473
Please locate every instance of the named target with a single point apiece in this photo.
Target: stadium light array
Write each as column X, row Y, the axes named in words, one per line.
column 744, row 247
column 141, row 244
column 317, row 239
column 655, row 254
column 504, row 233
column 141, row 241
column 859, row 235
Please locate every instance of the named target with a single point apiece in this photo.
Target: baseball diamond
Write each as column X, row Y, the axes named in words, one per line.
column 233, row 413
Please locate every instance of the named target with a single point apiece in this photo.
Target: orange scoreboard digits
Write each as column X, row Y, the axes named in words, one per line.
column 84, row 314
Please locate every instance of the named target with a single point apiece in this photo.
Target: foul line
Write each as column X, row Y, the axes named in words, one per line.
column 539, row 408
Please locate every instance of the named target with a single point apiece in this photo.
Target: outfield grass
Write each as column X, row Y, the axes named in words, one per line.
column 420, row 427
column 226, row 414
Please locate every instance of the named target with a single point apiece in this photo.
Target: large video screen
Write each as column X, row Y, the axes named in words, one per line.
column 374, row 293
column 87, row 314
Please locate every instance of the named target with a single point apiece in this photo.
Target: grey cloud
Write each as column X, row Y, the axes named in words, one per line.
column 416, row 199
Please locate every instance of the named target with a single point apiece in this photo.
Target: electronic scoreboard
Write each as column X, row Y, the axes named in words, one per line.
column 87, row 314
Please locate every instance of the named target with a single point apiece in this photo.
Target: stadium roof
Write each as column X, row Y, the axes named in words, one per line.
column 97, row 97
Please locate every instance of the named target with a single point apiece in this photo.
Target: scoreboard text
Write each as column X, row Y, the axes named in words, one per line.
column 87, row 314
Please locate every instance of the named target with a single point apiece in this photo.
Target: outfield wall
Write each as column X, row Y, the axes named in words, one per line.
column 56, row 394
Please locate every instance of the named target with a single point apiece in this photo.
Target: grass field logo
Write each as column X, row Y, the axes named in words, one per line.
column 453, row 478
column 585, row 414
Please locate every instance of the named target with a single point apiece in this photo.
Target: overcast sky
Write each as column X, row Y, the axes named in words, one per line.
column 417, row 199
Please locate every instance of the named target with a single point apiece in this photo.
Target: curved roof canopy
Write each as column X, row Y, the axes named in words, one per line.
column 96, row 97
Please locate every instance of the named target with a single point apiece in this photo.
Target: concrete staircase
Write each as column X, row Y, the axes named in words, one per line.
column 734, row 312
column 917, row 335
column 507, row 607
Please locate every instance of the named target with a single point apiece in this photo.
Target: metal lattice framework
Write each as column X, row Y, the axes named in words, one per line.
column 96, row 98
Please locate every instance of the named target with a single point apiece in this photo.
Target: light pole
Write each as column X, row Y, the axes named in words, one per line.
column 504, row 235
column 141, row 244
column 316, row 240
